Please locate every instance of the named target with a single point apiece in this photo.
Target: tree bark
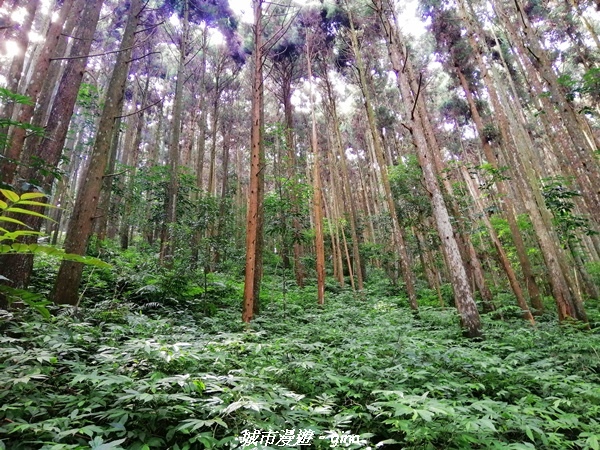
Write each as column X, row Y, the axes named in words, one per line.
column 13, row 151
column 317, row 194
column 20, row 35
column 346, row 190
column 84, row 212
column 254, row 204
column 465, row 303
column 18, row 268
column 532, row 287
column 167, row 244
column 397, row 234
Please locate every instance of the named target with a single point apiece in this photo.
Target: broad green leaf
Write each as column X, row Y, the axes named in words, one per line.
column 12, row 196
column 32, row 195
column 529, row 434
column 28, row 212
column 107, row 445
column 11, row 220
column 21, row 248
column 3, row 204
column 487, row 423
column 34, row 203
column 424, row 414
column 16, row 234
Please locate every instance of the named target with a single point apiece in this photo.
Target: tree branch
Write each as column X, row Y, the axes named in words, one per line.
column 412, row 113
column 94, row 55
column 140, row 110
column 108, row 175
column 143, row 56
column 150, row 28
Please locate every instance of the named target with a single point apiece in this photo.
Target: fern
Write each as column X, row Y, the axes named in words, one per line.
column 13, row 205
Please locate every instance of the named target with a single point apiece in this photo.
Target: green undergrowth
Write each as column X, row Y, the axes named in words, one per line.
column 117, row 374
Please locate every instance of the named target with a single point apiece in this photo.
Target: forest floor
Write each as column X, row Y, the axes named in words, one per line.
column 359, row 373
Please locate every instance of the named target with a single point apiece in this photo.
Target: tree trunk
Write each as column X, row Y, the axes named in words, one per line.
column 18, row 267
column 84, row 212
column 132, row 163
column 13, row 152
column 510, row 273
column 532, row 287
column 20, row 35
column 167, row 244
column 399, row 57
column 104, row 203
column 317, row 195
column 346, row 190
column 254, row 203
column 397, row 234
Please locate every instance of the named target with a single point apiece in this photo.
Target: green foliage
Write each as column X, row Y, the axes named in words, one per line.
column 88, row 101
column 491, row 134
column 17, row 204
column 593, row 269
column 116, row 376
column 410, row 195
column 560, row 200
column 588, row 84
column 489, row 175
column 7, row 97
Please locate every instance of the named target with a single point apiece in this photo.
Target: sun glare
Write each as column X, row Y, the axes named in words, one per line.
column 11, row 49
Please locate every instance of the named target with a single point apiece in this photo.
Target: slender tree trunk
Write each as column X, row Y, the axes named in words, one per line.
column 104, row 203
column 560, row 282
column 224, row 188
column 55, row 71
column 298, row 250
column 346, row 191
column 20, row 35
column 132, row 163
column 530, row 282
column 399, row 57
column 13, row 152
column 397, row 234
column 84, row 212
column 212, row 182
column 577, row 140
column 317, row 194
column 254, row 204
column 167, row 244
column 201, row 144
column 510, row 273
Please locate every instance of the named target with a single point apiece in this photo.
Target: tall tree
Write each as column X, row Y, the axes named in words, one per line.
column 34, row 86
column 81, row 224
column 312, row 45
column 49, row 149
column 167, row 235
column 397, row 233
column 255, row 206
column 402, row 66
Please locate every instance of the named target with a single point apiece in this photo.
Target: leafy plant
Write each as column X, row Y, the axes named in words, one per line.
column 9, row 239
column 118, row 376
column 560, row 199
column 7, row 97
column 9, row 244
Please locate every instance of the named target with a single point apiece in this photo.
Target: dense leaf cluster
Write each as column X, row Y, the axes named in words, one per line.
column 119, row 376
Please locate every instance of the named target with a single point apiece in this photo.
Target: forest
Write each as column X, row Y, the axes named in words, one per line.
column 299, row 224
